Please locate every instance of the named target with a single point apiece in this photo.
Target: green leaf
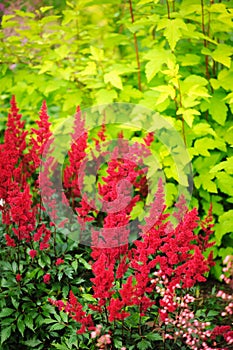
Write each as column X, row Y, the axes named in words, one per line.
column 21, row 325
column 6, row 312
column 5, row 334
column 212, row 313
column 29, row 322
column 32, row 343
column 84, row 263
column 154, row 336
column 88, row 297
column 144, row 344
column 56, row 327
column 74, row 264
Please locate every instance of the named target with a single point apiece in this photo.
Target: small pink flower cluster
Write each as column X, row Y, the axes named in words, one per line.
column 227, row 277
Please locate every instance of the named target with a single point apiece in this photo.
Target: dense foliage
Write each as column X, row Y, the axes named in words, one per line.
column 121, row 292
column 134, row 281
column 173, row 57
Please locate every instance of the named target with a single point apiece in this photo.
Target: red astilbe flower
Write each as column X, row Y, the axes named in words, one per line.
column 59, row 261
column 21, row 213
column 75, row 311
column 12, row 172
column 33, row 253
column 42, row 235
column 75, row 155
column 46, row 278
column 43, row 138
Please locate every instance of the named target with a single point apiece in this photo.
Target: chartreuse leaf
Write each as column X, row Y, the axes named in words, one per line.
column 157, row 57
column 225, row 183
column 172, row 30
column 188, row 115
column 201, row 146
column 225, row 165
column 218, row 108
column 222, row 54
column 90, row 69
column 205, row 180
column 166, row 91
column 224, row 226
column 105, row 96
column 114, row 79
column 96, row 54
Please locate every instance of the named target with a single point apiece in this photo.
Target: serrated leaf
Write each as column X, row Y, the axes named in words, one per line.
column 32, row 343
column 218, row 108
column 49, row 320
column 144, row 345
column 88, row 297
column 226, row 165
column 225, row 183
column 113, row 78
column 5, row 334
column 6, row 312
column 154, row 336
column 21, row 326
column 222, row 54
column 201, row 129
column 56, row 327
column 172, row 30
column 157, row 57
column 49, row 19
column 97, row 54
column 29, row 322
column 212, row 313
column 105, row 96
column 45, row 8
column 188, row 115
column 166, row 91
column 90, row 69
column 205, row 180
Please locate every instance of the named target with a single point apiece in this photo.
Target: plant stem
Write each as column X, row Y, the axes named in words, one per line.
column 168, row 9
column 136, row 48
column 205, row 42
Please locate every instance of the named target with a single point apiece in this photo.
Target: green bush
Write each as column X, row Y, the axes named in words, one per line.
column 173, row 57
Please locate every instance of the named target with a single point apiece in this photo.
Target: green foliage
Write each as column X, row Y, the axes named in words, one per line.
column 85, row 53
column 26, row 317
